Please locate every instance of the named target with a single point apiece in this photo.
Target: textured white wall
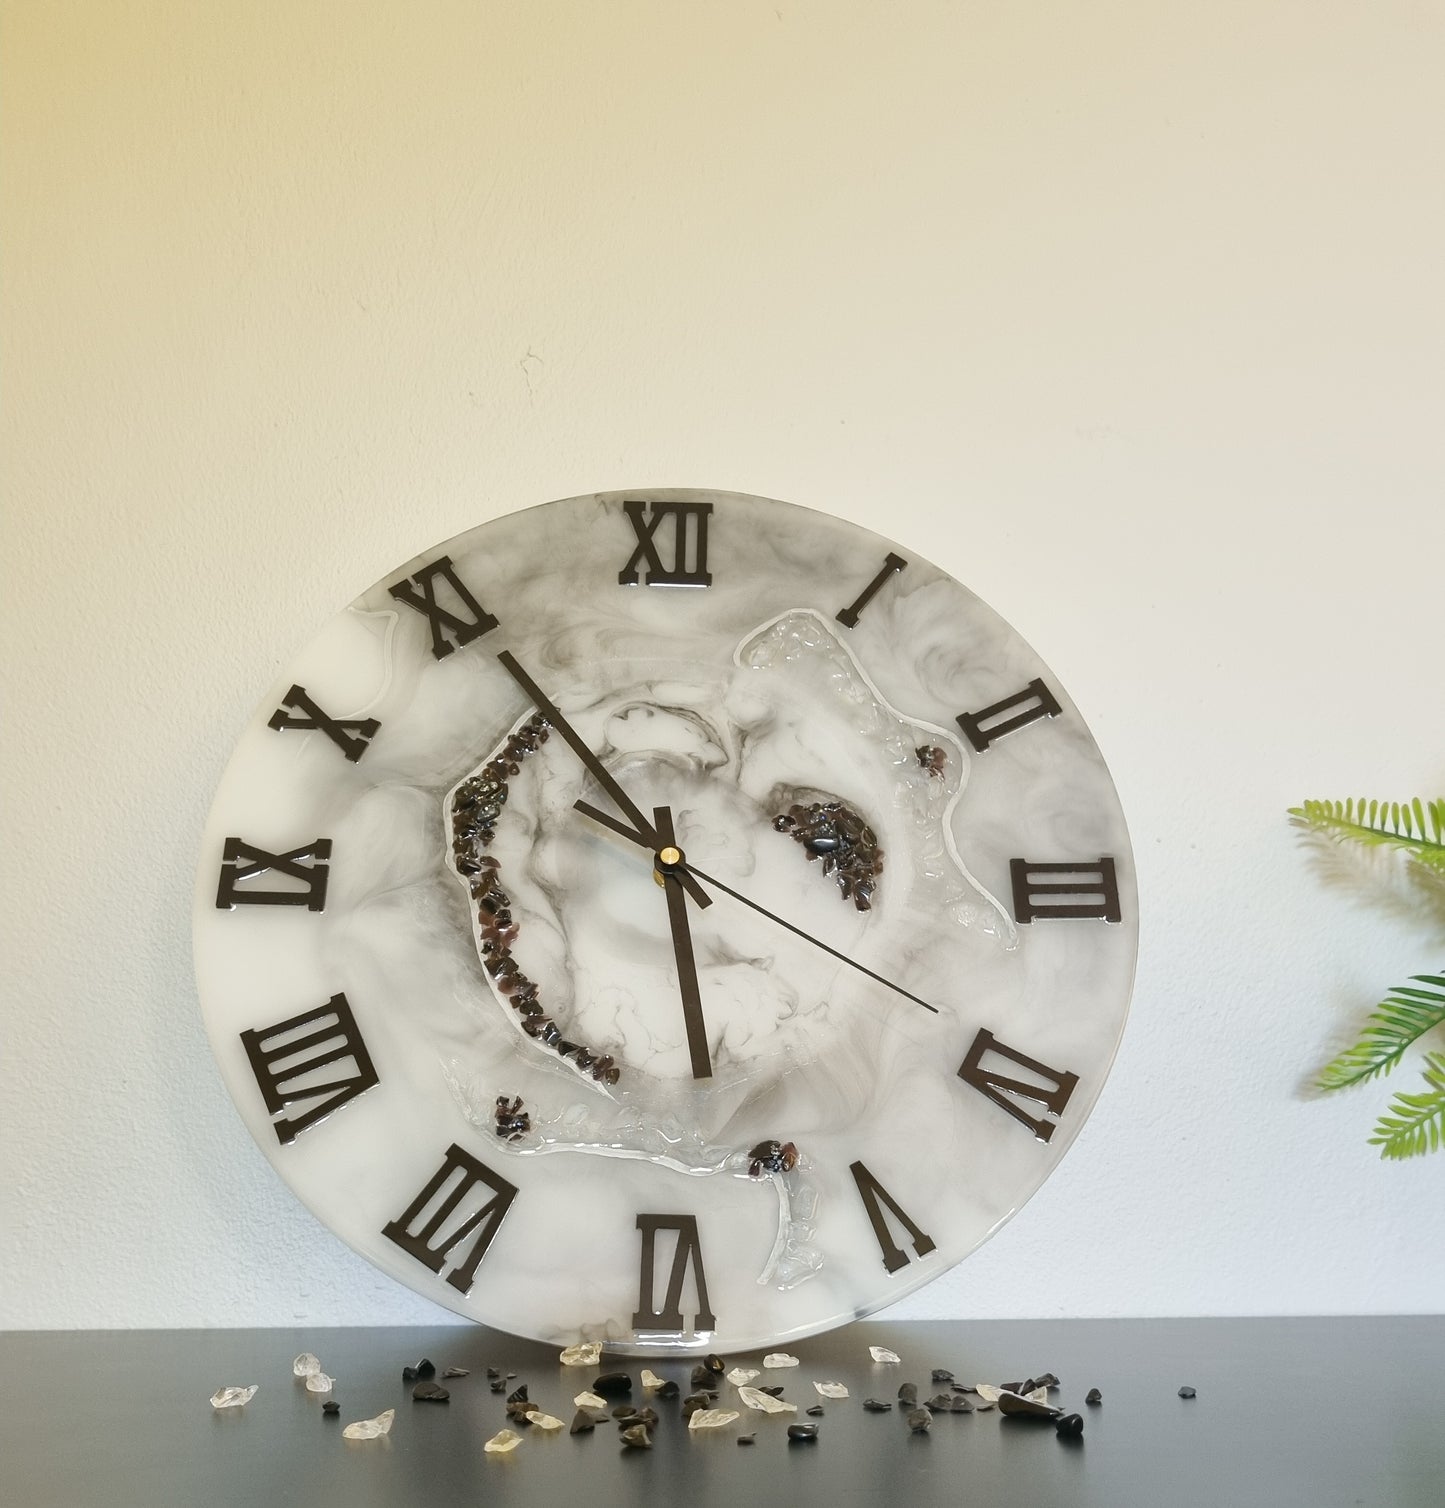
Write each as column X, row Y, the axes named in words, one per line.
column 1129, row 314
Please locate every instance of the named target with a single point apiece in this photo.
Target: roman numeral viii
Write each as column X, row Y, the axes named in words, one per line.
column 687, row 1252
column 689, row 544
column 288, row 1057
column 874, row 1197
column 455, row 1218
column 1050, row 1088
column 420, row 592
column 242, row 862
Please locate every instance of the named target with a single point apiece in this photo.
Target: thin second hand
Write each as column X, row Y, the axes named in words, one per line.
column 897, row 989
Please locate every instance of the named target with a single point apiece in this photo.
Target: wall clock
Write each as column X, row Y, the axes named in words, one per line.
column 671, row 918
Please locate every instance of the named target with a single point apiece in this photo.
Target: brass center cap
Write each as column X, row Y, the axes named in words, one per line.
column 670, row 857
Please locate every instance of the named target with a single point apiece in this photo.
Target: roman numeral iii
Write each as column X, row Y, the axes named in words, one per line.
column 1050, row 1088
column 242, row 863
column 1050, row 892
column 874, row 1197
column 455, row 1218
column 420, row 592
column 687, row 1252
column 287, row 1057
column 689, row 544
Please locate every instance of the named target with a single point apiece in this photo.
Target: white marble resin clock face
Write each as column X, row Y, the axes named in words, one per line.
column 846, row 1038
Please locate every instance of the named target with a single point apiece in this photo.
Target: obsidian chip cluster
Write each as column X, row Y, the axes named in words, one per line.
column 833, row 832
column 476, row 808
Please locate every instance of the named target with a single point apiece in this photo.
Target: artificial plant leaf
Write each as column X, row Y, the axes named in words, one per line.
column 1415, row 1123
column 1401, row 1018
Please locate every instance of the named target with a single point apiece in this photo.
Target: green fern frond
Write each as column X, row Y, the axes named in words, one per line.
column 1398, row 1020
column 1418, row 827
column 1415, row 1123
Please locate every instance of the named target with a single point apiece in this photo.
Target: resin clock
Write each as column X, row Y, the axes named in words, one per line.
column 670, row 918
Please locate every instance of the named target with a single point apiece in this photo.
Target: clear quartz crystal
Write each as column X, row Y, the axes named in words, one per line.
column 988, row 1392
column 370, row 1429
column 650, row 1380
column 712, row 1418
column 586, row 1355
column 832, row 1389
column 503, row 1441
column 740, row 1377
column 319, row 1382
column 779, row 1359
column 884, row 1355
column 544, row 1421
column 306, row 1365
column 586, row 1400
column 233, row 1397
column 765, row 1403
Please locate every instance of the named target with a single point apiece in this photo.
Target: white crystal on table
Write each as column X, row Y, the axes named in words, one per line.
column 370, row 1429
column 233, row 1397
column 319, row 1382
column 503, row 1441
column 586, row 1400
column 712, row 1418
column 1039, row 1395
column 741, row 1376
column 884, row 1355
column 650, row 1380
column 585, row 1355
column 779, row 1359
column 832, row 1389
column 765, row 1403
column 306, row 1365
column 988, row 1392
column 543, row 1421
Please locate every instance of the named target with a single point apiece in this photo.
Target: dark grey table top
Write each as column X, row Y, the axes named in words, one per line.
column 1288, row 1411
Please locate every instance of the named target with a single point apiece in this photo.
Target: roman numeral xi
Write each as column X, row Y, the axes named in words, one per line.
column 420, row 592
column 287, row 1057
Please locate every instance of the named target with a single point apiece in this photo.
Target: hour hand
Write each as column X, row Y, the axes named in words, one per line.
column 644, row 840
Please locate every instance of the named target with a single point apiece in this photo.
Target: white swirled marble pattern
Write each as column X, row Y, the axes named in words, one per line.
column 729, row 703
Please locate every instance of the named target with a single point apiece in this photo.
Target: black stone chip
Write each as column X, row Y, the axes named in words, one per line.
column 1046, row 1380
column 1187, row 1392
column 520, row 1396
column 1093, row 1396
column 430, row 1392
column 776, row 1392
column 612, row 1384
column 816, row 1411
column 715, row 1364
column 908, row 1393
column 1070, row 1426
column 746, row 1439
column 802, row 1432
column 331, row 1408
column 669, row 1389
column 941, row 1374
column 456, row 1372
column 635, row 1437
column 877, row 1405
column 497, row 1385
column 920, row 1421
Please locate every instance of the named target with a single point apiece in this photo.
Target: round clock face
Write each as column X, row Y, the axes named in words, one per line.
column 668, row 918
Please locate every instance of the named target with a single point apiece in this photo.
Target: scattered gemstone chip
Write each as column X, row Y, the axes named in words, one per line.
column 370, row 1429
column 920, row 1421
column 712, row 1418
column 1093, row 1396
column 779, row 1359
column 586, row 1355
column 884, row 1356
column 832, row 1389
column 423, row 1368
column 635, row 1437
column 306, row 1365
column 803, row 1432
column 1018, row 1406
column 612, row 1384
column 650, row 1380
column 908, row 1393
column 987, row 1391
column 585, row 1400
column 233, row 1397
column 1187, row 1392
column 547, row 1422
column 877, row 1405
column 456, row 1372
column 746, row 1439
column 816, row 1412
column 741, row 1376
column 582, row 1423
column 1070, row 1426
column 941, row 1374
column 503, row 1441
column 319, row 1382
column 430, row 1392
column 765, row 1403
column 331, row 1408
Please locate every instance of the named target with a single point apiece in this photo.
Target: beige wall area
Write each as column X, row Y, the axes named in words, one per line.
column 1127, row 314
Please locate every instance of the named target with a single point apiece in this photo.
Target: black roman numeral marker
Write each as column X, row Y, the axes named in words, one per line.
column 1089, row 891
column 688, row 1250
column 351, row 735
column 1014, row 712
column 681, row 573
column 891, row 564
column 455, row 1221
column 420, row 592
column 287, row 1057
column 874, row 1195
column 242, row 861
column 1053, row 1094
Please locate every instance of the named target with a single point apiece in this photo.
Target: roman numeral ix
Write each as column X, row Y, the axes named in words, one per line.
column 286, row 1058
column 351, row 735
column 420, row 592
column 242, row 862
column 688, row 1251
column 874, row 1196
column 455, row 1218
column 1050, row 1088
column 689, row 545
